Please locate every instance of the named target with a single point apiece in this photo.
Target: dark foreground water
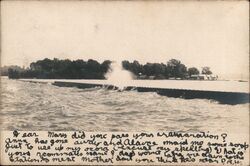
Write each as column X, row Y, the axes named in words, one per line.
column 35, row 106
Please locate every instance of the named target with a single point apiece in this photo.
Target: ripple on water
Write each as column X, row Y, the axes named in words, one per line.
column 29, row 106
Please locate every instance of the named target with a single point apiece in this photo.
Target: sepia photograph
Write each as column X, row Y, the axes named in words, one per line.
column 125, row 66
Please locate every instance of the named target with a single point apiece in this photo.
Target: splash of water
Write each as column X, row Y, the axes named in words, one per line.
column 118, row 76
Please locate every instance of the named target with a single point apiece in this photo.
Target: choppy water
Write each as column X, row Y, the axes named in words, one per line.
column 35, row 106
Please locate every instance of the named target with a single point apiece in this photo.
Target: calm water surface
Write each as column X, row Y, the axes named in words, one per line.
column 36, row 106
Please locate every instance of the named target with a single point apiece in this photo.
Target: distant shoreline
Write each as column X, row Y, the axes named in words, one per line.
column 92, row 69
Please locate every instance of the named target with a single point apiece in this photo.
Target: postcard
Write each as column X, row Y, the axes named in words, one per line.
column 124, row 82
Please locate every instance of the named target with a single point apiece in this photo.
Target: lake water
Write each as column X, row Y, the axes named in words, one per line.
column 36, row 106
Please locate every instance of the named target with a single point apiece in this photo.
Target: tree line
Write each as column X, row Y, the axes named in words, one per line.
column 92, row 69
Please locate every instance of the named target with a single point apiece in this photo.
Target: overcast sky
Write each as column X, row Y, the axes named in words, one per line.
column 211, row 33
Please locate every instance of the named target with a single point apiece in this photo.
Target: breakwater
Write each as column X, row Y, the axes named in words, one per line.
column 223, row 97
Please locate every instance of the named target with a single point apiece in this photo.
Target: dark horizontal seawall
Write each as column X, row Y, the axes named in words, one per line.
column 222, row 97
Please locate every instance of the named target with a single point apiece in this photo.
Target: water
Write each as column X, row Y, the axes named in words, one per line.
column 118, row 76
column 36, row 106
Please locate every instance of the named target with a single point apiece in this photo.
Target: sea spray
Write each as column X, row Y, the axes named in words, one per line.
column 118, row 76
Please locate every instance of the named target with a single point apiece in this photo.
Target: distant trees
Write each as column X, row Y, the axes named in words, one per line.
column 149, row 69
column 63, row 69
column 176, row 68
column 193, row 71
column 173, row 68
column 135, row 67
column 5, row 69
column 13, row 73
column 154, row 69
column 105, row 66
column 206, row 70
column 92, row 69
